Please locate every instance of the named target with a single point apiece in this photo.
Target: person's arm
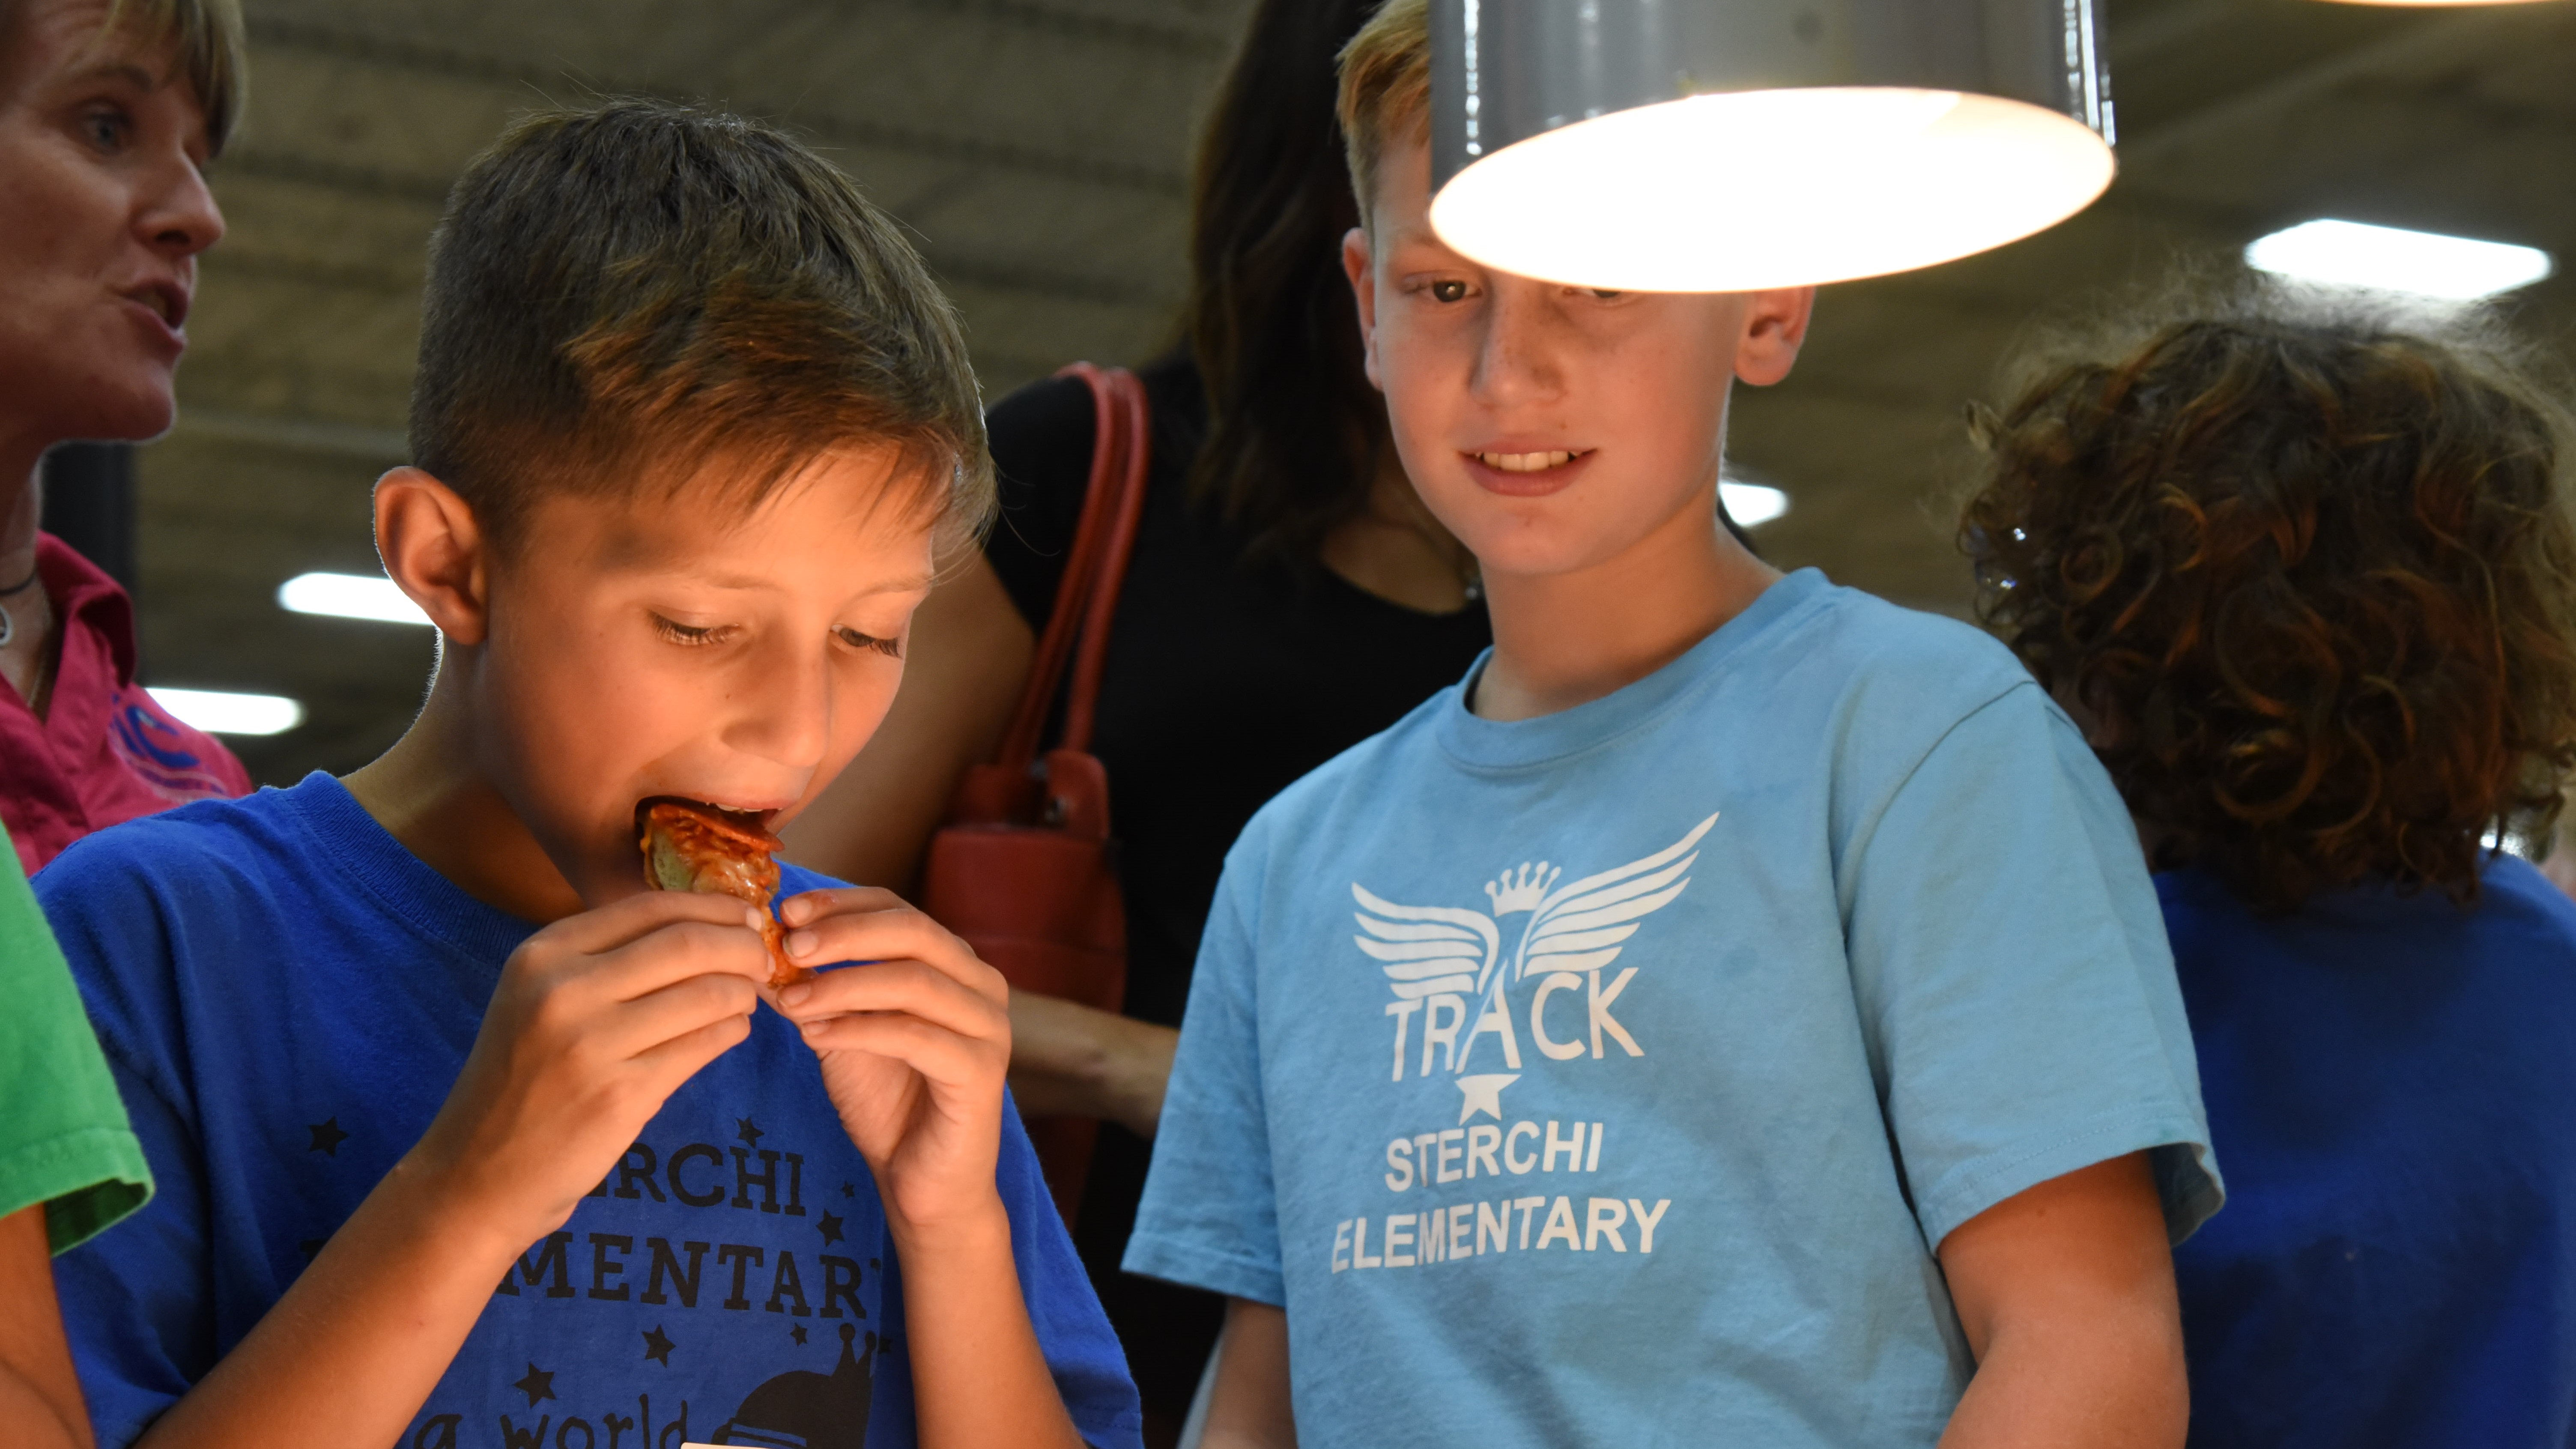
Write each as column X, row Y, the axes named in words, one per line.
column 965, row 663
column 2066, row 1294
column 40, row 1396
column 1072, row 1060
column 1248, row 1405
column 596, row 1020
column 915, row 1043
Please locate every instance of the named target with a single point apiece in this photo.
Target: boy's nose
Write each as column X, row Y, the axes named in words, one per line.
column 785, row 714
column 1523, row 332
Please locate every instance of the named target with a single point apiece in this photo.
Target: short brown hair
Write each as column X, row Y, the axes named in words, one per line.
column 206, row 36
column 1386, row 91
column 2306, row 568
column 620, row 293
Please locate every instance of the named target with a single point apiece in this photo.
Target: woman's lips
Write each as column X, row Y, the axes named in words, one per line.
column 161, row 314
column 1530, row 473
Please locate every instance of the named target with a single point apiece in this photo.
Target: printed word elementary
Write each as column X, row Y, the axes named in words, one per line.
column 1474, row 1229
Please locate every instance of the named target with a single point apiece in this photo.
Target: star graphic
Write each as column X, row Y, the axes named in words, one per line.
column 657, row 1347
column 832, row 1233
column 1484, row 1094
column 539, row 1384
column 848, row 1191
column 797, row 1333
column 327, row 1137
column 749, row 1134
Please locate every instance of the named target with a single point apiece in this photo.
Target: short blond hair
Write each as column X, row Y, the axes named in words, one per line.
column 205, row 35
column 1386, row 91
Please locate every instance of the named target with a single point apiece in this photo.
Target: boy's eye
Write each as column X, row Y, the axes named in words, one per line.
column 1605, row 294
column 890, row 648
column 691, row 634
column 1448, row 291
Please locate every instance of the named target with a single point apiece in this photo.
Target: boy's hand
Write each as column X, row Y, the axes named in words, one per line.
column 915, row 1044
column 597, row 1019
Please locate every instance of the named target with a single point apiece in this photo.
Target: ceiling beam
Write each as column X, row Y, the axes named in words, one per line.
column 400, row 53
column 2434, row 41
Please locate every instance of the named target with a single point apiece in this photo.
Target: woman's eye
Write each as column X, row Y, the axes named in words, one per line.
column 1605, row 294
column 890, row 648
column 692, row 634
column 1449, row 291
column 106, row 127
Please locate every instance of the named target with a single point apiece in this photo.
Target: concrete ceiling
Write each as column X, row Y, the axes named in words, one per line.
column 1039, row 149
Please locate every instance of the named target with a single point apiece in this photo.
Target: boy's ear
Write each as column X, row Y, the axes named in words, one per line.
column 1356, row 266
column 434, row 550
column 1775, row 327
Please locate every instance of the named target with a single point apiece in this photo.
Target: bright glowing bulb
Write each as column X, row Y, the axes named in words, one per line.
column 1745, row 190
column 221, row 712
column 1751, row 504
column 2391, row 259
column 349, row 596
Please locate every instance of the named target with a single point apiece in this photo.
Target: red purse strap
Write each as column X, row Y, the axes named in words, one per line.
column 1095, row 567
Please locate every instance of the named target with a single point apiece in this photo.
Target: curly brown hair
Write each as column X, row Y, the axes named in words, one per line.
column 2306, row 573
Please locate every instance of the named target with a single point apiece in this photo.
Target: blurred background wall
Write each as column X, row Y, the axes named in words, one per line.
column 1040, row 150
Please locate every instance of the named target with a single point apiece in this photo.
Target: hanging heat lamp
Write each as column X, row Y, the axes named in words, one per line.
column 1733, row 145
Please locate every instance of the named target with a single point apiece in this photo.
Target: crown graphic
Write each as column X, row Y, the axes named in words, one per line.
column 1523, row 889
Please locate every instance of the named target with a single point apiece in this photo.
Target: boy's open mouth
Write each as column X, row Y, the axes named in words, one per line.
column 1530, row 462
column 749, row 824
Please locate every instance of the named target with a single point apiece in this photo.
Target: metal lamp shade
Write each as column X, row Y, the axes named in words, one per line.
column 1734, row 145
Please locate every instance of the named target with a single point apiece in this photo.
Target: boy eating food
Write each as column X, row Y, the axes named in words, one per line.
column 464, row 1135
column 1737, row 1014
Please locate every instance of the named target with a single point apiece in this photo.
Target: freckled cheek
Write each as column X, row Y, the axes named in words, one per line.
column 1423, row 415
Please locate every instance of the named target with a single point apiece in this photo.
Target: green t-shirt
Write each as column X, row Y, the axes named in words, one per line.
column 64, row 1141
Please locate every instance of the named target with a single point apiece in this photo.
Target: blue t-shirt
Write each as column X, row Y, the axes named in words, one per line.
column 286, row 996
column 2394, row 1082
column 1610, row 1077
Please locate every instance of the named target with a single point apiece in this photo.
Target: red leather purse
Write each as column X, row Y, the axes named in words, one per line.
column 1022, row 870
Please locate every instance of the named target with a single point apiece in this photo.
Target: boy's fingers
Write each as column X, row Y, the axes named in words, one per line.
column 907, row 987
column 895, row 933
column 682, row 1007
column 679, row 951
column 684, row 1056
column 942, row 1057
column 806, row 907
column 620, row 923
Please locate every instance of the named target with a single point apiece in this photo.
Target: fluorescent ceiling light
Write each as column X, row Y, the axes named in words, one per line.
column 349, row 596
column 2392, row 259
column 1751, row 504
column 221, row 712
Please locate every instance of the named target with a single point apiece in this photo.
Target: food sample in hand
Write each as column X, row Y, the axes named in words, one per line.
column 690, row 846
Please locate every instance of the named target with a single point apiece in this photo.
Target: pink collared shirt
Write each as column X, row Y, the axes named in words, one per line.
column 104, row 751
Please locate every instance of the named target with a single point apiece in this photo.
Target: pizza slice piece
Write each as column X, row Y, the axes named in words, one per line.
column 692, row 846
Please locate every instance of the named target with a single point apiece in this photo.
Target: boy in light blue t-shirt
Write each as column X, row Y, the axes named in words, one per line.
column 1737, row 1014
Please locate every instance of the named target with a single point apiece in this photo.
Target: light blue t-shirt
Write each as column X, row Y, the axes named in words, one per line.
column 1610, row 1077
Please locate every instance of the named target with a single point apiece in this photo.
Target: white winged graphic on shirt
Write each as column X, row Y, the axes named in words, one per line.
column 1434, row 952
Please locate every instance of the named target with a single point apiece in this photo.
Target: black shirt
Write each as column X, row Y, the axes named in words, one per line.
column 1225, row 682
